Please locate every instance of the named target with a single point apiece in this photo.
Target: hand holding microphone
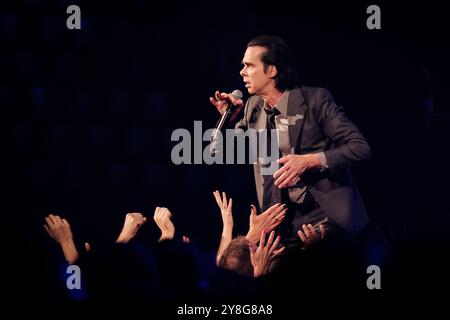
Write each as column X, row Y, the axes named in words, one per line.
column 228, row 104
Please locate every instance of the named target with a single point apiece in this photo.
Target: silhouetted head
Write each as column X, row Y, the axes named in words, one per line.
column 236, row 257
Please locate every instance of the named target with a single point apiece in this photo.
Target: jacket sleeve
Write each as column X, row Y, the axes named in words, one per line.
column 349, row 145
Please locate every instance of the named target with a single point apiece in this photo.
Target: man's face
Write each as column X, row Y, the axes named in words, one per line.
column 257, row 81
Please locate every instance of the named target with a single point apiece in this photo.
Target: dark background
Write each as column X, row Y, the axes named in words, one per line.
column 89, row 113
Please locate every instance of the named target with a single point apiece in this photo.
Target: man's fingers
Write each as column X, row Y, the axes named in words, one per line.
column 312, row 231
column 322, row 231
column 252, row 210
column 270, row 240
column 158, row 214
column 262, row 238
column 276, row 220
column 277, row 211
column 141, row 221
column 165, row 213
column 65, row 222
column 218, row 198
column 272, row 210
column 230, row 205
column 277, row 252
column 275, row 244
column 284, row 159
column 220, row 101
column 52, row 219
column 58, row 219
column 135, row 214
column 49, row 221
column 238, row 102
column 294, row 181
column 136, row 217
column 214, row 102
column 229, row 98
column 274, row 224
column 306, row 231
column 235, row 101
column 221, row 98
column 281, row 214
column 280, row 171
column 302, row 236
column 271, row 227
column 252, row 248
column 51, row 216
column 289, row 179
column 306, row 241
column 224, row 200
column 284, row 178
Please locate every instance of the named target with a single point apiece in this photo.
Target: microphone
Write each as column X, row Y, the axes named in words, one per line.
column 224, row 119
column 227, row 114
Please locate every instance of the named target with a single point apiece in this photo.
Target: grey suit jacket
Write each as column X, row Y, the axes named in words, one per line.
column 317, row 124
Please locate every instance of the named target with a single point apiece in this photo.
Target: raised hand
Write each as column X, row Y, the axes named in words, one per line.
column 59, row 230
column 133, row 221
column 309, row 234
column 266, row 221
column 162, row 218
column 294, row 166
column 222, row 101
column 263, row 254
column 226, row 207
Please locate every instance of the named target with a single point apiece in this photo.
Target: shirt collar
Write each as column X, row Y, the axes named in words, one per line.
column 282, row 105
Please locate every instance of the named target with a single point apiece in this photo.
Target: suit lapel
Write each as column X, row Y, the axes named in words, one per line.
column 296, row 114
column 259, row 116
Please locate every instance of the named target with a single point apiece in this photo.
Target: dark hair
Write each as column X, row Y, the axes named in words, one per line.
column 236, row 257
column 279, row 55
